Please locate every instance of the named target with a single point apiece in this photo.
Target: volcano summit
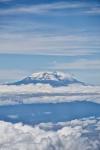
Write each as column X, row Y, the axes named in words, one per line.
column 55, row 79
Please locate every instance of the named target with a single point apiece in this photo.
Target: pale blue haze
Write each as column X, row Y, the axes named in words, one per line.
column 50, row 35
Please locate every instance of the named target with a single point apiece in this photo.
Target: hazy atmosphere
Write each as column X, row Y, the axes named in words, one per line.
column 50, row 74
column 50, row 35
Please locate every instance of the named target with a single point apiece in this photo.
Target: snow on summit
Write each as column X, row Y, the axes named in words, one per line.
column 52, row 76
column 54, row 79
column 48, row 87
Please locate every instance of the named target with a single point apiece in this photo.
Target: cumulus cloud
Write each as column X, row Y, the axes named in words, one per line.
column 75, row 134
column 40, row 93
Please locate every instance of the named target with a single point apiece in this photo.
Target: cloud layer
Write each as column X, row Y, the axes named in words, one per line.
column 40, row 93
column 50, row 28
column 83, row 8
column 75, row 134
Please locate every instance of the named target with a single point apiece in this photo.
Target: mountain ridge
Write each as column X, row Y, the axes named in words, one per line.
column 55, row 79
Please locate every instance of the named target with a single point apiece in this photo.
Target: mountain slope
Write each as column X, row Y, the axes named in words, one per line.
column 52, row 78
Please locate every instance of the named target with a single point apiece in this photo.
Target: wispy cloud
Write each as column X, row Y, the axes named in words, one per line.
column 28, row 40
column 71, row 45
column 93, row 11
column 3, row 1
column 47, row 38
column 51, row 7
column 78, row 64
column 40, row 8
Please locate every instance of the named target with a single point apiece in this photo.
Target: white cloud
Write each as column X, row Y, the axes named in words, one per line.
column 75, row 134
column 47, row 94
column 50, row 7
column 12, row 116
column 70, row 45
column 93, row 11
column 42, row 8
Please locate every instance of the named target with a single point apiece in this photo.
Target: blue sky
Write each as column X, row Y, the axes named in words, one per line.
column 50, row 35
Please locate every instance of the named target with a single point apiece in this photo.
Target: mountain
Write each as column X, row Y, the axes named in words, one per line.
column 52, row 78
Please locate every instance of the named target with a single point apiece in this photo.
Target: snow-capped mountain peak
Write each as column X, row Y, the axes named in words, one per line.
column 56, row 76
column 52, row 78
